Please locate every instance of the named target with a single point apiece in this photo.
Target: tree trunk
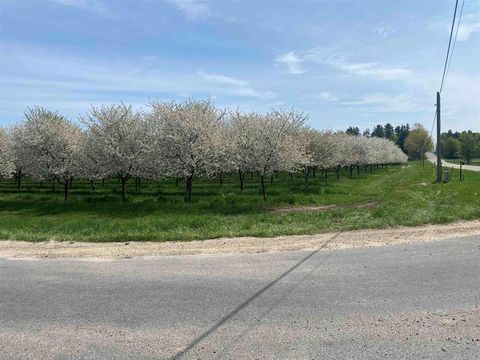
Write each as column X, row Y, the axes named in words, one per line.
column 240, row 175
column 326, row 176
column 188, row 195
column 93, row 184
column 337, row 170
column 19, row 180
column 262, row 183
column 41, row 184
column 314, row 170
column 124, row 188
column 103, row 182
column 176, row 181
column 221, row 178
column 306, row 171
column 53, row 185
column 351, row 170
column 271, row 179
column 358, row 169
column 65, row 190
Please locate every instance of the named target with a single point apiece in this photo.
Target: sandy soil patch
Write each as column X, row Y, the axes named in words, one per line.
column 323, row 208
column 340, row 240
column 421, row 184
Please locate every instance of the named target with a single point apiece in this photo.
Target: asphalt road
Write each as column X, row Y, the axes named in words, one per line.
column 417, row 301
column 433, row 159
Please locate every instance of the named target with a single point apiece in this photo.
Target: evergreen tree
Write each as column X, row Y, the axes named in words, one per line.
column 378, row 131
column 353, row 131
column 389, row 131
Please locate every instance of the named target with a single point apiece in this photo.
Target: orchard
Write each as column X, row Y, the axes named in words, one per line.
column 185, row 140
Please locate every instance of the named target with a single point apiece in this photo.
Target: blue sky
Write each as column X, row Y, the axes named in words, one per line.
column 354, row 62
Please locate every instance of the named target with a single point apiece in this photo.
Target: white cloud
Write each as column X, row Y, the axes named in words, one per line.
column 468, row 26
column 292, row 61
column 193, row 9
column 383, row 30
column 460, row 102
column 376, row 70
column 223, row 79
column 325, row 96
column 32, row 76
column 235, row 86
column 91, row 5
column 384, row 103
column 372, row 69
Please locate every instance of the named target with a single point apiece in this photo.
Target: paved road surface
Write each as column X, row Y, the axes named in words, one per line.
column 433, row 158
column 417, row 301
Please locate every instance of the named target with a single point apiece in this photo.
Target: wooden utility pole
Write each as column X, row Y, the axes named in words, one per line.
column 439, row 160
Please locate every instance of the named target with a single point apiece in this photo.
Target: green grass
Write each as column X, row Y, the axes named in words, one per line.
column 405, row 195
column 457, row 161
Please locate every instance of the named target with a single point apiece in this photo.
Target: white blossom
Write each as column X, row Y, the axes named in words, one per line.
column 116, row 143
column 188, row 136
column 183, row 140
column 7, row 165
column 269, row 143
column 54, row 146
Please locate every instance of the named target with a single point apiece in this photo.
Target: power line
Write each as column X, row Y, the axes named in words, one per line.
column 455, row 39
column 449, row 44
column 446, row 66
column 448, row 59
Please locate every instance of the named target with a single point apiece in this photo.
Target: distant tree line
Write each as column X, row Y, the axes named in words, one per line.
column 454, row 145
column 464, row 145
column 396, row 134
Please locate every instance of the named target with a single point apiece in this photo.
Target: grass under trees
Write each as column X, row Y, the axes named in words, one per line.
column 405, row 195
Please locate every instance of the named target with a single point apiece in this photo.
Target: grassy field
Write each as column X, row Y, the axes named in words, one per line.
column 457, row 161
column 404, row 195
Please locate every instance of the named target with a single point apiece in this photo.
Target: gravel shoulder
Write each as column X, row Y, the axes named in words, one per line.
column 340, row 240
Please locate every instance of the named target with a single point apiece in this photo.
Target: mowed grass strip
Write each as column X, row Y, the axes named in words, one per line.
column 404, row 195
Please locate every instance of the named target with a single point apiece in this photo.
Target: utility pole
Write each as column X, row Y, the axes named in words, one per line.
column 439, row 160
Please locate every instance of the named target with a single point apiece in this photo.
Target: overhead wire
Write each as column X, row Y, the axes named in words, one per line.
column 448, row 58
column 455, row 38
column 449, row 45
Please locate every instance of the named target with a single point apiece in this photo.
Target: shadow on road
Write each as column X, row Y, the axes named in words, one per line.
column 239, row 308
